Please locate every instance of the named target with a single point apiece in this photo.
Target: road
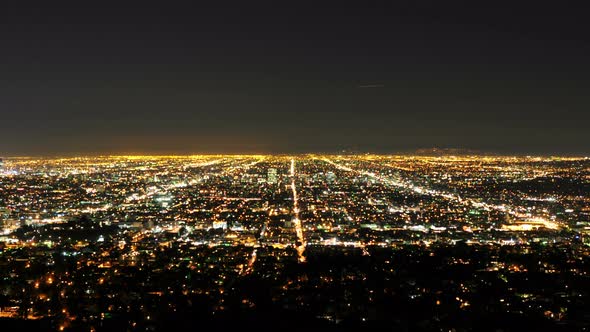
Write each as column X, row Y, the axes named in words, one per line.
column 298, row 224
column 452, row 197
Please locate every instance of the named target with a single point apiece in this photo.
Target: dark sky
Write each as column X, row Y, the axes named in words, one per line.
column 294, row 77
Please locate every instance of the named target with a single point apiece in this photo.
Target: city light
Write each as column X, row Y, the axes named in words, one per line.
column 80, row 235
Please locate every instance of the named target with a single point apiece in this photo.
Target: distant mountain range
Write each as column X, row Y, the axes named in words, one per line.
column 424, row 152
column 448, row 151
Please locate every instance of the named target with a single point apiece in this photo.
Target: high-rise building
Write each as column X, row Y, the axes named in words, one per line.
column 271, row 176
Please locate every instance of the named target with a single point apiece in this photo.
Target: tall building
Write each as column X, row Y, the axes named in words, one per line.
column 271, row 176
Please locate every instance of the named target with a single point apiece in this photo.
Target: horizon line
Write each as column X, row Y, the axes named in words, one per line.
column 265, row 154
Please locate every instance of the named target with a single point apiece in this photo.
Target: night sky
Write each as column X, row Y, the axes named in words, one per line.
column 294, row 77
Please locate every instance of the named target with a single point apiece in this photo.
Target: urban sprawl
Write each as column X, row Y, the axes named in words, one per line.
column 413, row 242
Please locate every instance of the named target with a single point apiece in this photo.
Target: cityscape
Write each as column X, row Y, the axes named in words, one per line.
column 406, row 242
column 294, row 166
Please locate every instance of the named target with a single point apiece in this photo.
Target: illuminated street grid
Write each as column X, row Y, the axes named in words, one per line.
column 194, row 229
